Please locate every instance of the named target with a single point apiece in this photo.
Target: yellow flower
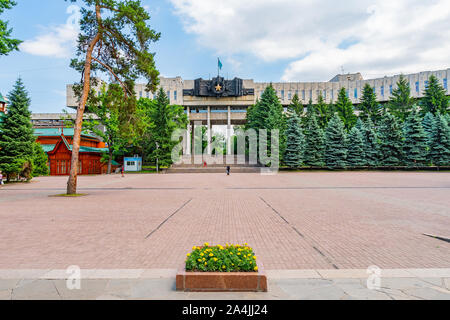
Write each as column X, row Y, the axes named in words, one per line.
column 206, row 244
column 211, row 255
column 246, row 244
column 232, row 264
column 249, row 255
column 199, row 260
column 223, row 267
column 251, row 262
column 188, row 255
column 215, row 259
column 255, row 268
column 206, row 263
column 194, row 248
column 254, row 257
column 204, row 259
column 201, row 254
column 239, row 253
column 231, row 253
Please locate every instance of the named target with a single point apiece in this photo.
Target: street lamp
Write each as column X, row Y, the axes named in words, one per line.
column 157, row 160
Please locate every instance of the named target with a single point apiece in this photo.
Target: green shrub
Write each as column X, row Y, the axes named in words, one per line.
column 231, row 258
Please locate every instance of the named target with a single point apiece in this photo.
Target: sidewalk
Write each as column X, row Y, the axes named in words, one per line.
column 159, row 284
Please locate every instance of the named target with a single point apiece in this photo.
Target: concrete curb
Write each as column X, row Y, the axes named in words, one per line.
column 97, row 274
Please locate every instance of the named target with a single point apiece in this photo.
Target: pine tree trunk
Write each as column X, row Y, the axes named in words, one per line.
column 72, row 183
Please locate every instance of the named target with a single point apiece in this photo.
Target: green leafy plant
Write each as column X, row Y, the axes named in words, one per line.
column 228, row 258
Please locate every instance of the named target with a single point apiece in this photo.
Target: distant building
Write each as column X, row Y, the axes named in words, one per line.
column 220, row 101
column 132, row 164
column 57, row 144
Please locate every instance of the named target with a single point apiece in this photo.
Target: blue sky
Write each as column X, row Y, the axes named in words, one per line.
column 265, row 40
column 177, row 53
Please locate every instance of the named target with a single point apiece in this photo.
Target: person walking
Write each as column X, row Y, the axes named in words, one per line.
column 122, row 171
column 228, row 170
column 1, row 178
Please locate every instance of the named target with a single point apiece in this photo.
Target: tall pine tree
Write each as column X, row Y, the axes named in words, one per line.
column 435, row 98
column 401, row 102
column 268, row 114
column 335, row 144
column 293, row 155
column 415, row 146
column 440, row 142
column 324, row 112
column 314, row 155
column 356, row 155
column 296, row 106
column 344, row 109
column 164, row 119
column 369, row 105
column 391, row 141
column 16, row 135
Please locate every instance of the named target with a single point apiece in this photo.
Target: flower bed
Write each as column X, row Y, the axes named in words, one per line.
column 231, row 258
column 221, row 268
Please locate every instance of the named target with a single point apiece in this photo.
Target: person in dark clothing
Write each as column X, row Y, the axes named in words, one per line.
column 228, row 170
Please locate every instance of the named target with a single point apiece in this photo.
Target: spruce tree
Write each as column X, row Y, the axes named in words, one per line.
column 371, row 144
column 164, row 120
column 324, row 112
column 7, row 44
column 369, row 105
column 293, row 155
column 440, row 142
column 40, row 159
column 314, row 144
column 415, row 146
column 356, row 155
column 427, row 124
column 16, row 134
column 435, row 98
column 296, row 106
column 391, row 141
column 344, row 109
column 401, row 102
column 335, row 143
column 359, row 125
column 268, row 114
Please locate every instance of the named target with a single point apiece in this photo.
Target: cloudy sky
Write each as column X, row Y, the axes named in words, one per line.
column 266, row 40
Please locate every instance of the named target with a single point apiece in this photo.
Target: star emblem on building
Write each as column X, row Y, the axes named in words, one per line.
column 218, row 88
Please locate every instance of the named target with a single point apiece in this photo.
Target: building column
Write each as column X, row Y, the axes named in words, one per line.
column 188, row 133
column 229, row 142
column 209, row 133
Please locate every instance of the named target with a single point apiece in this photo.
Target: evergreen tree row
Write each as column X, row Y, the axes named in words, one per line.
column 415, row 143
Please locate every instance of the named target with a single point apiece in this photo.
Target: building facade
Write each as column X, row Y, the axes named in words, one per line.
column 57, row 144
column 225, row 102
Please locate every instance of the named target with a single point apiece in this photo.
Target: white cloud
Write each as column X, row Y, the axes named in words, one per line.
column 387, row 36
column 56, row 41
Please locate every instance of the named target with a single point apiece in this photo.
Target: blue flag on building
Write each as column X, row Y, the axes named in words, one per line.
column 219, row 64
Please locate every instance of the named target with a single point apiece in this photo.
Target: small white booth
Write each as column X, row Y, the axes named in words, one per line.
column 133, row 164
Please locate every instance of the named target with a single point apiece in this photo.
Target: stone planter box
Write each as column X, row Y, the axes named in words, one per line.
column 221, row 281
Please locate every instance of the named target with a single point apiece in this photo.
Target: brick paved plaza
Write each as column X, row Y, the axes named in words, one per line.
column 313, row 220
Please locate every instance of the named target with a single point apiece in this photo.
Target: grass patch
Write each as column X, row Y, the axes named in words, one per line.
column 64, row 195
